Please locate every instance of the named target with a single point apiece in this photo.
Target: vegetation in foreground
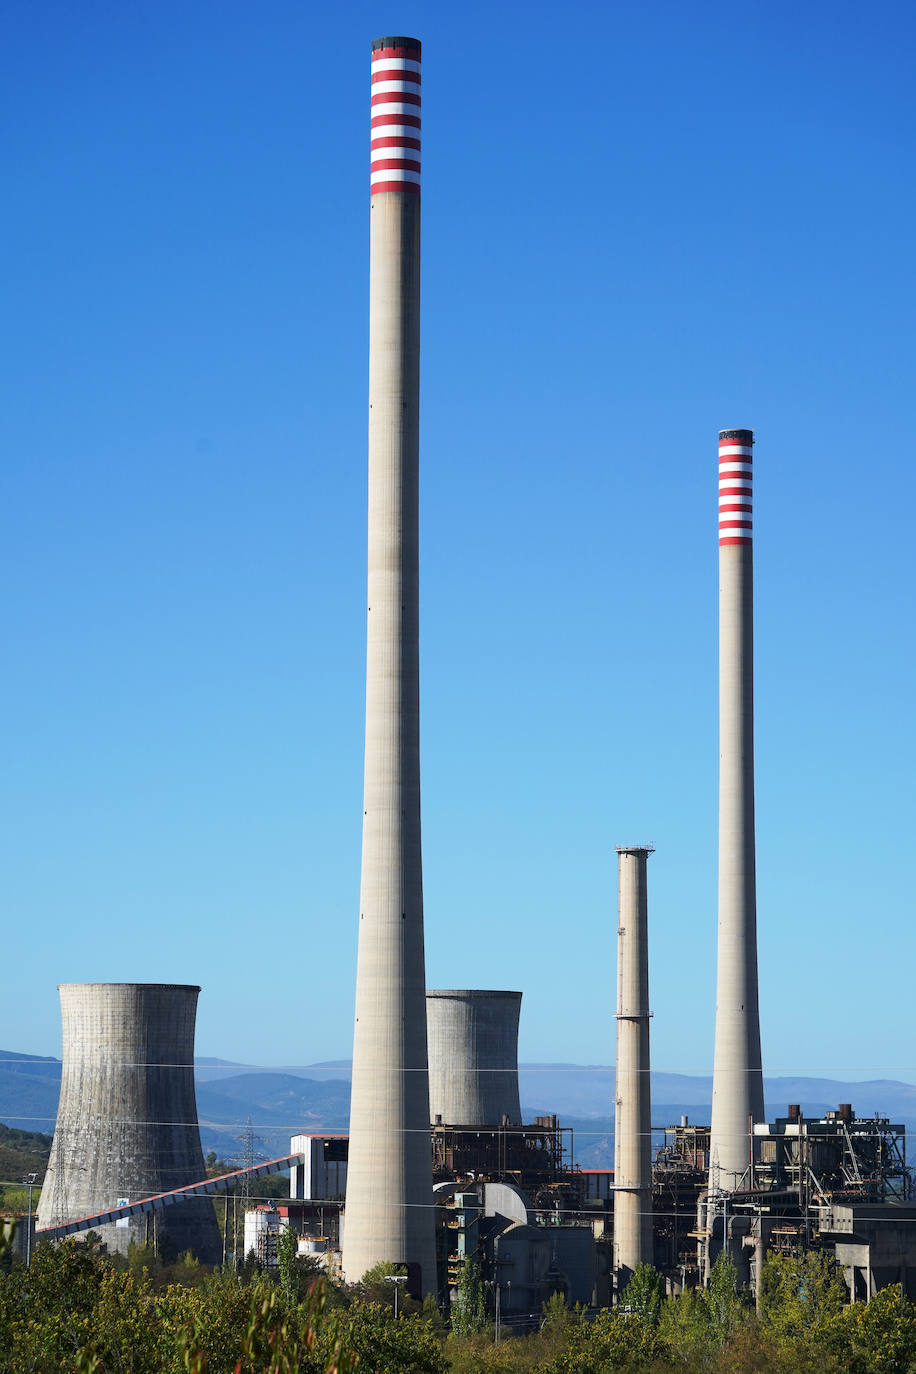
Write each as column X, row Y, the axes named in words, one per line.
column 80, row 1312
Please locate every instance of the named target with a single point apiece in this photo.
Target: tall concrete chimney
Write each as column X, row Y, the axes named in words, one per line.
column 633, row 1108
column 737, row 1086
column 389, row 1214
column 127, row 1114
column 473, row 1057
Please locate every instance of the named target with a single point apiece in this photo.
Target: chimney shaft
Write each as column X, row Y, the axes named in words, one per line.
column 633, row 1111
column 389, row 1214
column 737, row 1092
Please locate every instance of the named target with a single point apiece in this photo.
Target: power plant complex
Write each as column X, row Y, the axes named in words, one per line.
column 438, row 1167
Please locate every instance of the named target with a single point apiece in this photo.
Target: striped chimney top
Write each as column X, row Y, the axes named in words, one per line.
column 394, row 153
column 736, row 493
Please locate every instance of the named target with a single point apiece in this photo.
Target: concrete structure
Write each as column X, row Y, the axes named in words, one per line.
column 127, row 1116
column 530, row 1261
column 737, row 1093
column 473, row 1057
column 389, row 1215
column 633, row 1110
column 874, row 1245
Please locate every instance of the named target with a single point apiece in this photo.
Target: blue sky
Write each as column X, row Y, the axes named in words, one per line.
column 641, row 223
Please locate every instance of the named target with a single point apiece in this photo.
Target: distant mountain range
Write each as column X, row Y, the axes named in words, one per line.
column 316, row 1097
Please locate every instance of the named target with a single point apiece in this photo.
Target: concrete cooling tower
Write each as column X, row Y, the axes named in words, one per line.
column 127, row 1117
column 473, row 1056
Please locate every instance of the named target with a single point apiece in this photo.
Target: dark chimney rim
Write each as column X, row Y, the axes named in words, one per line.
column 745, row 435
column 389, row 42
column 140, row 987
column 470, row 992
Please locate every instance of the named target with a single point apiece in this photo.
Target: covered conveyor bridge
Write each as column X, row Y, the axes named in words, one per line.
column 223, row 1183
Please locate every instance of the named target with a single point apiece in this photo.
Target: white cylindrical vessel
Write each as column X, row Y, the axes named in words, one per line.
column 389, row 1214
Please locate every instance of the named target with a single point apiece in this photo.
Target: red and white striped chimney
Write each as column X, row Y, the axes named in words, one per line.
column 736, row 492
column 394, row 156
column 737, row 1089
column 389, row 1215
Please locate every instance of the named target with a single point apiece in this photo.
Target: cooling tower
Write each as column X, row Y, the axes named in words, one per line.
column 389, row 1212
column 633, row 1109
column 473, row 1057
column 737, row 1085
column 127, row 1115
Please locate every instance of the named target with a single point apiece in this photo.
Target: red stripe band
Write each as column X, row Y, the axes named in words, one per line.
column 395, row 142
column 723, row 506
column 394, row 164
column 735, row 525
column 395, row 74
column 396, row 98
column 412, row 53
column 735, row 541
column 379, row 121
column 412, row 186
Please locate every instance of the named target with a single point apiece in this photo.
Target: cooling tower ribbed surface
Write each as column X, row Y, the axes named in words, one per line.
column 127, row 1116
column 473, row 1056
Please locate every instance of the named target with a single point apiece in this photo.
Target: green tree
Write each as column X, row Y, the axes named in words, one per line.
column 613, row 1341
column 469, row 1310
column 686, row 1328
column 728, row 1306
column 800, row 1292
column 368, row 1333
column 644, row 1293
column 375, row 1286
column 878, row 1337
column 556, row 1315
column 72, row 1304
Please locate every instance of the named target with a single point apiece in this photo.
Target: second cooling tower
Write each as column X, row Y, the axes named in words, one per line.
column 473, row 1056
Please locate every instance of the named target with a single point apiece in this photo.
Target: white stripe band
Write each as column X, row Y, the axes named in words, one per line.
column 395, row 64
column 383, row 87
column 394, row 131
column 383, row 154
column 393, row 107
column 738, row 469
column 735, row 448
column 394, row 174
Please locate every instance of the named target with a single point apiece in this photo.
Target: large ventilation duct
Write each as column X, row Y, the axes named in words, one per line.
column 127, row 1117
column 473, row 1057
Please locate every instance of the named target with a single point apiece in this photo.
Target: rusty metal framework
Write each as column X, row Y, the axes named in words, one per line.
column 531, row 1157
